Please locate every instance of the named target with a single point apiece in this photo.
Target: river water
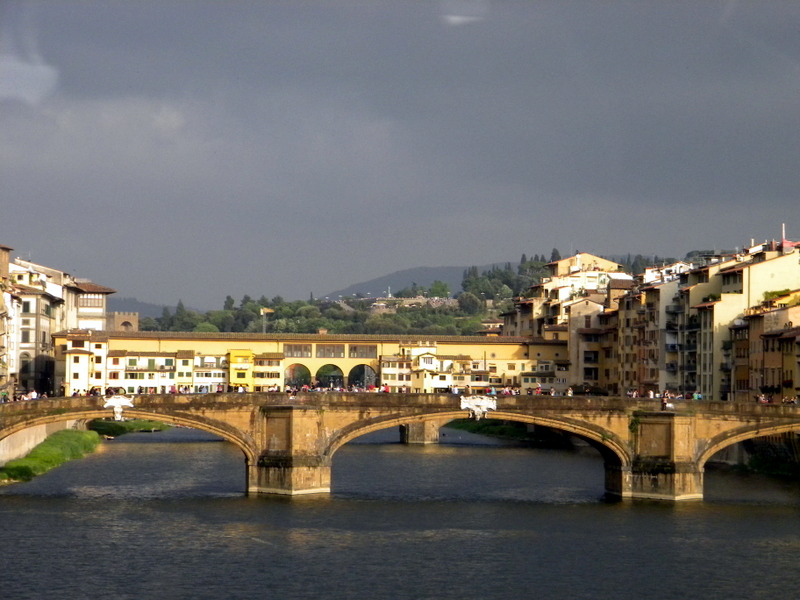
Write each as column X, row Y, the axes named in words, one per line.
column 163, row 515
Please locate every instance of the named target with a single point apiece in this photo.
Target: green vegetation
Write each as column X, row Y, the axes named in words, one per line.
column 116, row 428
column 57, row 449
column 776, row 294
column 484, row 294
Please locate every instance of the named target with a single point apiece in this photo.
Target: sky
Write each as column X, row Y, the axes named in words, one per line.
column 189, row 149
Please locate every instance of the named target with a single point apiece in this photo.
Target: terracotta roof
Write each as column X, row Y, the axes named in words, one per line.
column 621, row 284
column 95, row 335
column 706, row 304
column 788, row 333
column 88, row 287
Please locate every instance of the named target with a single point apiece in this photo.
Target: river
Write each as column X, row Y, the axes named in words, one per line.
column 163, row 515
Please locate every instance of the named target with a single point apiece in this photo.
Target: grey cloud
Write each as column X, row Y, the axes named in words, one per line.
column 311, row 144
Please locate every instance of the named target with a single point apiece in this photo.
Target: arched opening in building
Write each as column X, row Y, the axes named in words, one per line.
column 330, row 377
column 297, row 375
column 362, row 376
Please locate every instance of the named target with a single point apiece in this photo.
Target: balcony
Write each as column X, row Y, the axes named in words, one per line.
column 671, row 367
column 673, row 309
column 673, row 347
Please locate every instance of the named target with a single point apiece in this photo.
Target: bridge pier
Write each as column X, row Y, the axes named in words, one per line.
column 289, row 475
column 423, row 432
column 664, row 467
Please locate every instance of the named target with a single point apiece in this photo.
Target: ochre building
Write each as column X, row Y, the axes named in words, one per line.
column 163, row 362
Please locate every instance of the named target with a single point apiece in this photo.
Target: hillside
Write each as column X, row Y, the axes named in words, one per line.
column 422, row 276
column 145, row 309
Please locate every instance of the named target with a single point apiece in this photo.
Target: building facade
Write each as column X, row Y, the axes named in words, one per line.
column 162, row 362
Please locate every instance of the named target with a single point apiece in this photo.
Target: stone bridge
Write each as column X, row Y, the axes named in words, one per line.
column 289, row 443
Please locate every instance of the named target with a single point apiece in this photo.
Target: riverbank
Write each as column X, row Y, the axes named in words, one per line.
column 58, row 448
column 69, row 444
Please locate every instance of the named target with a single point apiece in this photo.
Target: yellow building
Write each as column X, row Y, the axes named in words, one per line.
column 164, row 362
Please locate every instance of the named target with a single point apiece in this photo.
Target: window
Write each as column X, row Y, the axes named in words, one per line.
column 90, row 301
column 26, row 336
column 78, row 343
column 76, row 359
column 98, row 346
column 26, row 306
column 330, row 350
column 297, row 350
column 98, row 359
column 362, row 351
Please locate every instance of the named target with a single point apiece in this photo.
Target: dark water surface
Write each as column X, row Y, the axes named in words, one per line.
column 164, row 516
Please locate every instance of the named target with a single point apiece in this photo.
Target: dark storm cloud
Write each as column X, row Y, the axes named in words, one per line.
column 283, row 147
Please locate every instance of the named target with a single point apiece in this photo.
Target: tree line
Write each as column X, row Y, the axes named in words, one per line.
column 483, row 294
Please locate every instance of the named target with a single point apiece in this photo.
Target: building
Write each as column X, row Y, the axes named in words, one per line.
column 162, row 362
column 37, row 302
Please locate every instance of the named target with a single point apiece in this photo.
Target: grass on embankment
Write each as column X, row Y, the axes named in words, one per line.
column 115, row 428
column 57, row 449
column 68, row 444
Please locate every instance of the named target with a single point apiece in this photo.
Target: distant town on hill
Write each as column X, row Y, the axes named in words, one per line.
column 392, row 283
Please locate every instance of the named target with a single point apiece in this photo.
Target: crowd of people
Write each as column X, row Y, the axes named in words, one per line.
column 20, row 396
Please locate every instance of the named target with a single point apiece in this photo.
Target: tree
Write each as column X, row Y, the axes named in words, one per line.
column 555, row 255
column 148, row 324
column 439, row 289
column 470, row 303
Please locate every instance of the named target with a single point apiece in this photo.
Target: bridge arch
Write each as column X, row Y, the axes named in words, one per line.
column 741, row 434
column 220, row 429
column 615, row 452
